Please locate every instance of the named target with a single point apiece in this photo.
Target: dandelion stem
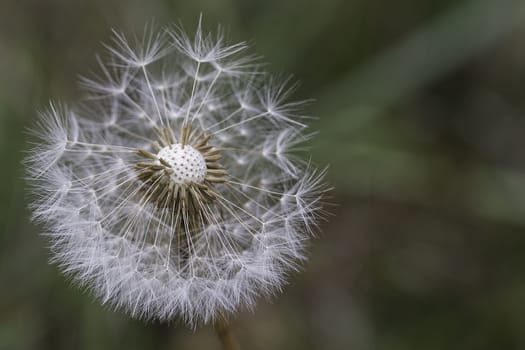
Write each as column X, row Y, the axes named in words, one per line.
column 225, row 334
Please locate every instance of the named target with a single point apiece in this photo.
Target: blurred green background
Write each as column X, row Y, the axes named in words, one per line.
column 422, row 119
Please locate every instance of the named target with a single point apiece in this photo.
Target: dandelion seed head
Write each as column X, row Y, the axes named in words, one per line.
column 177, row 191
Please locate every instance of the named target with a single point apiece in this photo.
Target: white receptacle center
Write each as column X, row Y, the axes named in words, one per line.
column 187, row 163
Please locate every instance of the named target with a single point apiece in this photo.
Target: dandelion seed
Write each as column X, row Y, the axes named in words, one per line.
column 176, row 192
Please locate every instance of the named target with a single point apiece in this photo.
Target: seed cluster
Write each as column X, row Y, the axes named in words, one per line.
column 182, row 174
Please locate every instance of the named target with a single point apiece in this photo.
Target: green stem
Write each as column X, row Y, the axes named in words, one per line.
column 225, row 334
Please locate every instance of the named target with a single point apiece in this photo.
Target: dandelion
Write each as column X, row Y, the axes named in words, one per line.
column 174, row 191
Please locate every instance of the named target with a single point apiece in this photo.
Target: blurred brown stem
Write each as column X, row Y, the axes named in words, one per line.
column 228, row 340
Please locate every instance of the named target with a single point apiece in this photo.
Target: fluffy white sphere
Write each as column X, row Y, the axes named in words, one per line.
column 176, row 190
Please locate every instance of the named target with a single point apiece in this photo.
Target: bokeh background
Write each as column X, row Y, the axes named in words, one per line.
column 422, row 119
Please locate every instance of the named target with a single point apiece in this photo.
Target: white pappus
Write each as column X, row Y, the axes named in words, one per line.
column 175, row 189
